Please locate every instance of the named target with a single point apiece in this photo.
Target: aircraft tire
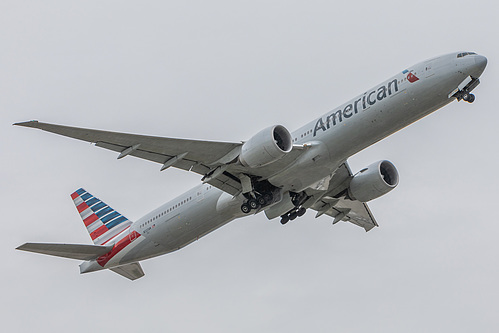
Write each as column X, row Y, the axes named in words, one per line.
column 284, row 219
column 293, row 215
column 245, row 208
column 301, row 211
column 253, row 204
column 464, row 96
column 268, row 198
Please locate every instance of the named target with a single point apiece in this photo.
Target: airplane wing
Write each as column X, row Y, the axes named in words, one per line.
column 335, row 204
column 198, row 156
column 209, row 157
column 212, row 159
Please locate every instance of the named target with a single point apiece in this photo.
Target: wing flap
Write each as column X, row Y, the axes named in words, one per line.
column 355, row 212
column 226, row 184
column 72, row 251
column 344, row 209
column 131, row 271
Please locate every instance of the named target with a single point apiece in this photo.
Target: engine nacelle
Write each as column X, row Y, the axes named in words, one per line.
column 266, row 147
column 374, row 181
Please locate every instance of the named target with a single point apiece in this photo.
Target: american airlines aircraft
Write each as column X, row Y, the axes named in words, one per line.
column 278, row 172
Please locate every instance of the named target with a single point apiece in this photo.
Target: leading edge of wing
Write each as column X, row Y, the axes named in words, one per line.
column 199, row 151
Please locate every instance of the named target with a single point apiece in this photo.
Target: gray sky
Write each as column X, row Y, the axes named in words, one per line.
column 223, row 70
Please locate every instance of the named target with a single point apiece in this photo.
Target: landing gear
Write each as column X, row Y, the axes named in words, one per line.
column 468, row 97
column 293, row 214
column 464, row 93
column 245, row 208
column 301, row 211
column 258, row 194
column 298, row 199
column 253, row 204
column 256, row 203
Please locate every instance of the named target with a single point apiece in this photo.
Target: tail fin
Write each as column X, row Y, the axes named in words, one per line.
column 102, row 222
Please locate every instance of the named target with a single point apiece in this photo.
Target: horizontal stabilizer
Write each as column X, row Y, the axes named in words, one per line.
column 72, row 251
column 131, row 271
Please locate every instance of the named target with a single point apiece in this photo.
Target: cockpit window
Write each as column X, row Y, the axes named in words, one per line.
column 464, row 54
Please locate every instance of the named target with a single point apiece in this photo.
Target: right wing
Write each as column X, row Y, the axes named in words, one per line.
column 214, row 160
column 198, row 156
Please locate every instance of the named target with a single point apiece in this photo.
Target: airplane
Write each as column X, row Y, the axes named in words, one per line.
column 281, row 173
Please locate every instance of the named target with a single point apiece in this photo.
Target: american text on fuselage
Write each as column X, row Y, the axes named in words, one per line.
column 282, row 173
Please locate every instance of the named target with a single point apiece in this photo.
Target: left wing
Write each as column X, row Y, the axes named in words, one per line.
column 335, row 203
column 202, row 157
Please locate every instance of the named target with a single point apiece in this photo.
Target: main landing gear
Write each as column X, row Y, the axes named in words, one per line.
column 293, row 214
column 256, row 203
column 298, row 199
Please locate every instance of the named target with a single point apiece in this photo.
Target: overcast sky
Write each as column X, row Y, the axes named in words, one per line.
column 223, row 70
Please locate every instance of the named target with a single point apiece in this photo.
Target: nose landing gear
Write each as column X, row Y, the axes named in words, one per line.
column 468, row 97
column 463, row 91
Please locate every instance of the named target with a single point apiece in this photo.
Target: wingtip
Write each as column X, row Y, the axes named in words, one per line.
column 31, row 123
column 21, row 247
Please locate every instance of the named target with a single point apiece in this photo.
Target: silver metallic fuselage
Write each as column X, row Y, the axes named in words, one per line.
column 333, row 140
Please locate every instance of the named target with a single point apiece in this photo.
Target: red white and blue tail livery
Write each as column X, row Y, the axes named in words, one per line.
column 102, row 222
column 282, row 173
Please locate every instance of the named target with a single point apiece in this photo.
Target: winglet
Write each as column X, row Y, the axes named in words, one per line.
column 31, row 123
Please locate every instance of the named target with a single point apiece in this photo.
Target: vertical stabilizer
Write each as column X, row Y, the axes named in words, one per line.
column 102, row 222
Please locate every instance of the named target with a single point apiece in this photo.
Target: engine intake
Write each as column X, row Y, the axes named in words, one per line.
column 374, row 181
column 266, row 147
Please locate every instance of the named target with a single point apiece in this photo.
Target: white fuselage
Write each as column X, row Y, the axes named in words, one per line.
column 334, row 137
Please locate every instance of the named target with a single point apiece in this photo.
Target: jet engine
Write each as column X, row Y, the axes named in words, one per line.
column 374, row 181
column 266, row 147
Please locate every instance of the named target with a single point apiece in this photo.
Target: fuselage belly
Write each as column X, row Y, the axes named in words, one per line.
column 334, row 137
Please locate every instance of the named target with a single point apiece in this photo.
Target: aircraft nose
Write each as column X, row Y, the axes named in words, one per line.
column 480, row 64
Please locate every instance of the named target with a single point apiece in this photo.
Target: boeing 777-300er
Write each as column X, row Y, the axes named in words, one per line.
column 275, row 171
